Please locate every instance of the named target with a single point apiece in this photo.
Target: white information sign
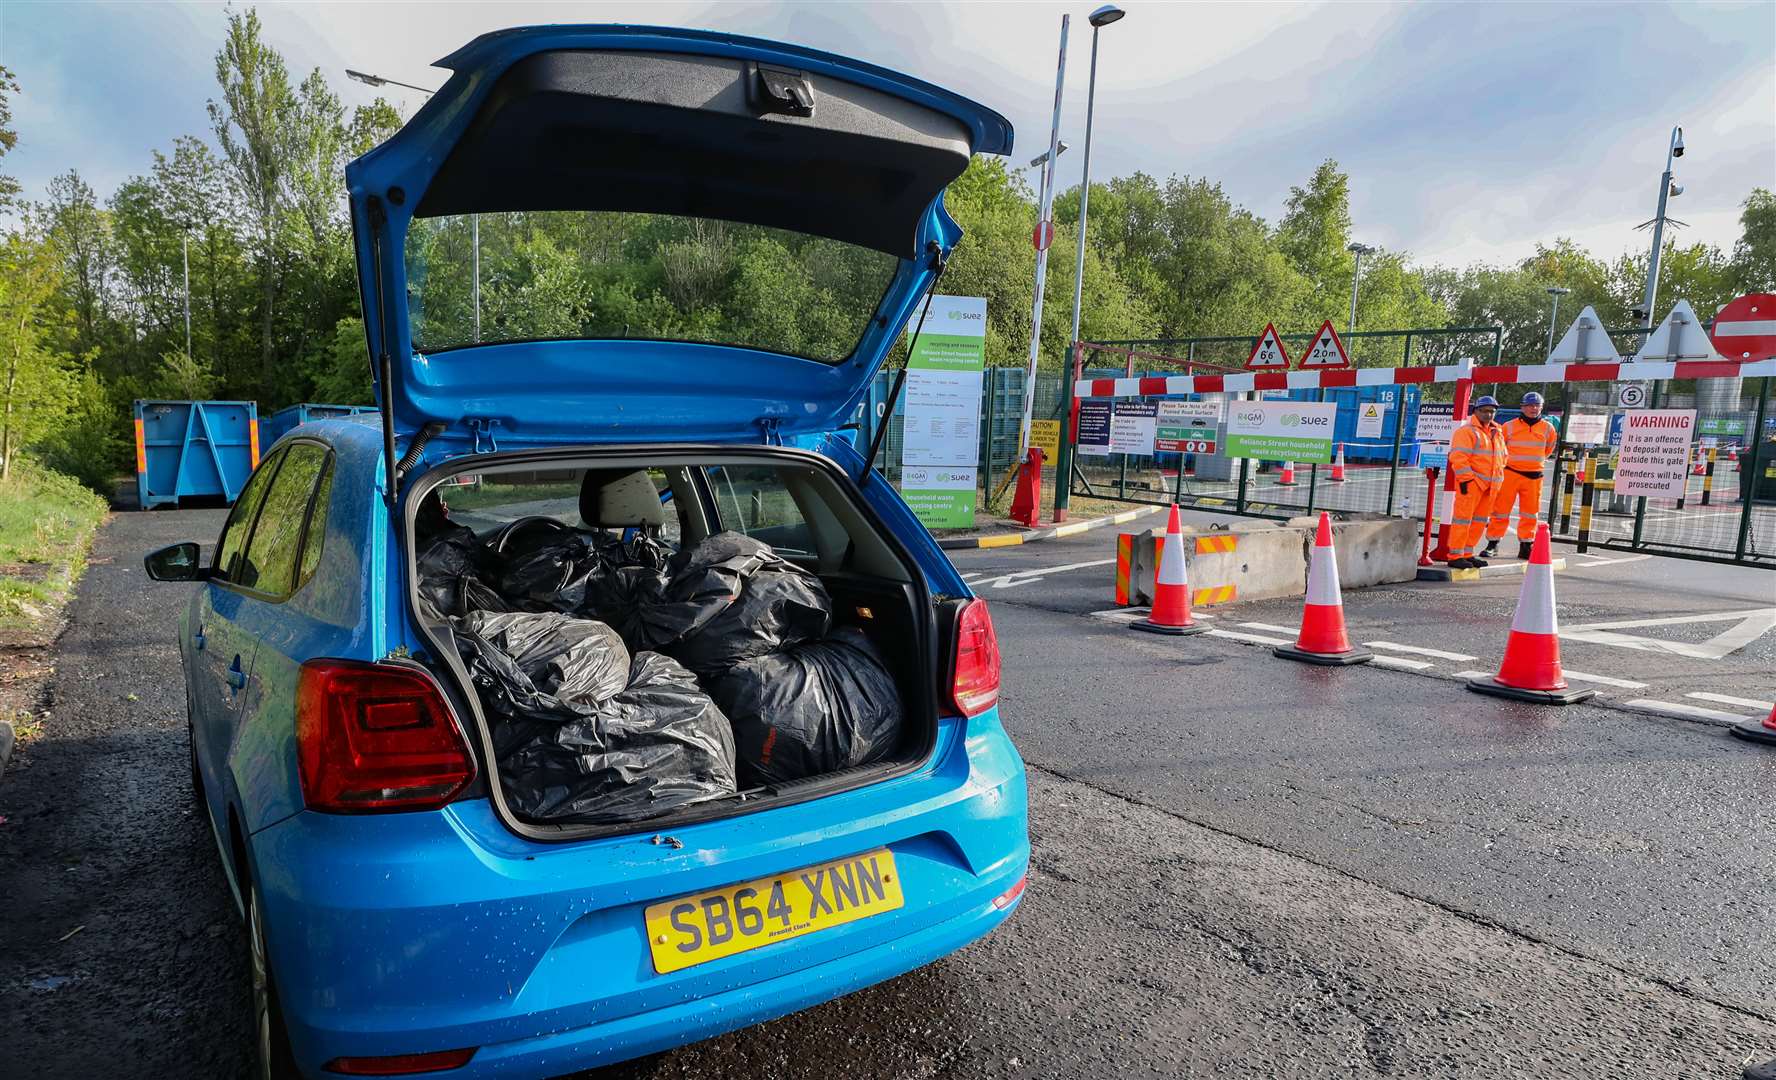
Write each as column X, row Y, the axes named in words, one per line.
column 1655, row 454
column 1370, row 415
column 1587, row 429
column 1132, row 427
column 942, row 422
column 1298, row 431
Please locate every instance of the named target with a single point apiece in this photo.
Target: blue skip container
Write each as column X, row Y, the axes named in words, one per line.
column 194, row 450
column 279, row 423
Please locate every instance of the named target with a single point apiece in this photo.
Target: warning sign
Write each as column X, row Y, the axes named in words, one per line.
column 1326, row 351
column 1268, row 354
column 1370, row 415
column 1655, row 455
column 1187, row 427
column 1047, row 435
column 1436, row 426
column 1587, row 429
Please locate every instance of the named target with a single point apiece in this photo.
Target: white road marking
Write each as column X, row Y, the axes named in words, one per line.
column 1605, row 680
column 1132, row 614
column 1401, row 662
column 1685, row 712
column 1025, row 577
column 1473, row 674
column 975, row 574
column 1254, row 639
column 1438, row 653
column 1611, row 562
column 1272, row 627
column 1753, row 624
column 1751, row 703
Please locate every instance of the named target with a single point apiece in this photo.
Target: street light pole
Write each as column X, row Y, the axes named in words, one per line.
column 1359, row 250
column 1554, row 314
column 1099, row 19
column 1045, row 204
column 1666, row 190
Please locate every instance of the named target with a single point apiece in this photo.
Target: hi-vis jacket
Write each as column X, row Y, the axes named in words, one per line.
column 1477, row 453
column 1528, row 444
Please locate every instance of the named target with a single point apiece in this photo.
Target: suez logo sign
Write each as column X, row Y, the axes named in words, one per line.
column 1256, row 416
column 956, row 315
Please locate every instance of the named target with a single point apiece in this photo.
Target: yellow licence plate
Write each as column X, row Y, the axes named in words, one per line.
column 721, row 922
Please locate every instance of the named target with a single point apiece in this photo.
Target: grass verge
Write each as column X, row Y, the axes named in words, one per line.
column 47, row 521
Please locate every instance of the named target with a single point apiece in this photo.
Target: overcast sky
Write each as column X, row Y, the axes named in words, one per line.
column 1470, row 131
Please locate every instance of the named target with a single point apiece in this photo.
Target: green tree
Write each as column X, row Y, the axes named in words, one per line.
column 1754, row 256
column 338, row 367
column 371, row 125
column 253, row 123
column 1313, row 234
column 9, row 186
column 80, row 232
column 35, row 379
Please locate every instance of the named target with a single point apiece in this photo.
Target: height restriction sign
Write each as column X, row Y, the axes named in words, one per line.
column 1326, row 351
column 1268, row 354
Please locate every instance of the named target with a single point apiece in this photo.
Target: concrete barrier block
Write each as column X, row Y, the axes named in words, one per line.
column 1374, row 552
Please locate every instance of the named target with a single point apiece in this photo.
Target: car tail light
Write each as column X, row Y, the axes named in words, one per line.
column 400, row 1064
column 1009, row 896
column 376, row 737
column 975, row 685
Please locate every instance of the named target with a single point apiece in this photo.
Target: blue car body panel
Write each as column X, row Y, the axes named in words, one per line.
column 590, row 390
column 421, row 931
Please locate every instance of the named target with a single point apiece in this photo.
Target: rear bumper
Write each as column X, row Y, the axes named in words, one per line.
column 410, row 933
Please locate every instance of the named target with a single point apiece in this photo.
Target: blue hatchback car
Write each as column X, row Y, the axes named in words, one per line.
column 537, row 252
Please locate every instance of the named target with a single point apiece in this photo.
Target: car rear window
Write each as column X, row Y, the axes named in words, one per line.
column 553, row 274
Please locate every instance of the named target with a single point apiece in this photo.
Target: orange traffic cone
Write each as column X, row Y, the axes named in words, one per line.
column 1763, row 731
column 1171, row 588
column 1288, row 477
column 1338, row 466
column 1531, row 668
column 1323, row 639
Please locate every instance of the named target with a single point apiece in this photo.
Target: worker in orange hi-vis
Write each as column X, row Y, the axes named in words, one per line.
column 1477, row 460
column 1529, row 439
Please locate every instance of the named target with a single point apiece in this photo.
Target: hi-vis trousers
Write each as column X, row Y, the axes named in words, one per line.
column 1526, row 492
column 1472, row 509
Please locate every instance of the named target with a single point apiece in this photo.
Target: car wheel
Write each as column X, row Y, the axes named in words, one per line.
column 271, row 1039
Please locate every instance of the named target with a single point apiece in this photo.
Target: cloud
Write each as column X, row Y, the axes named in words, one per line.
column 1471, row 132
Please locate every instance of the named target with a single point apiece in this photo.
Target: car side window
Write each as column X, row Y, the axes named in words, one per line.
column 753, row 499
column 270, row 562
column 316, row 532
column 240, row 519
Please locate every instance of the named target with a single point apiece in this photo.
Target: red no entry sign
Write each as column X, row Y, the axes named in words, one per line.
column 1043, row 235
column 1746, row 328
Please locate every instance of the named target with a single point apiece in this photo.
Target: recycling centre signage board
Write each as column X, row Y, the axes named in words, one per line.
column 1132, row 427
column 1187, row 427
column 1298, row 431
column 1655, row 455
column 1436, row 426
column 941, row 451
column 1094, row 428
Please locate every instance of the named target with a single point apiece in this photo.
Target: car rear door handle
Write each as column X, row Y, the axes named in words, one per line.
column 236, row 677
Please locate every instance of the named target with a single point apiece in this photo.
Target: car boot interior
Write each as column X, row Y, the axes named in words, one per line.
column 670, row 636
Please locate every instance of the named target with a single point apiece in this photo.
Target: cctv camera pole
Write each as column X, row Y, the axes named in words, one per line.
column 1652, row 282
column 1044, row 234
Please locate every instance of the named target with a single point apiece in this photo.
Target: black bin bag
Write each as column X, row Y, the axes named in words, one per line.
column 812, row 709
column 450, row 565
column 584, row 733
column 731, row 598
column 555, row 575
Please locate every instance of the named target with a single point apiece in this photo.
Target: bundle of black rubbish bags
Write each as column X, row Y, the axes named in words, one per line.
column 624, row 680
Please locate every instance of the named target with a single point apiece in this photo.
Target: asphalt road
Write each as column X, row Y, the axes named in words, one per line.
column 1242, row 868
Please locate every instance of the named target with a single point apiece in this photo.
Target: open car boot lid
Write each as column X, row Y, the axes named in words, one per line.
column 656, row 137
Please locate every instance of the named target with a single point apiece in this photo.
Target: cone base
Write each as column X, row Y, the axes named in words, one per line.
column 1754, row 731
column 1335, row 659
column 1152, row 627
column 1494, row 688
